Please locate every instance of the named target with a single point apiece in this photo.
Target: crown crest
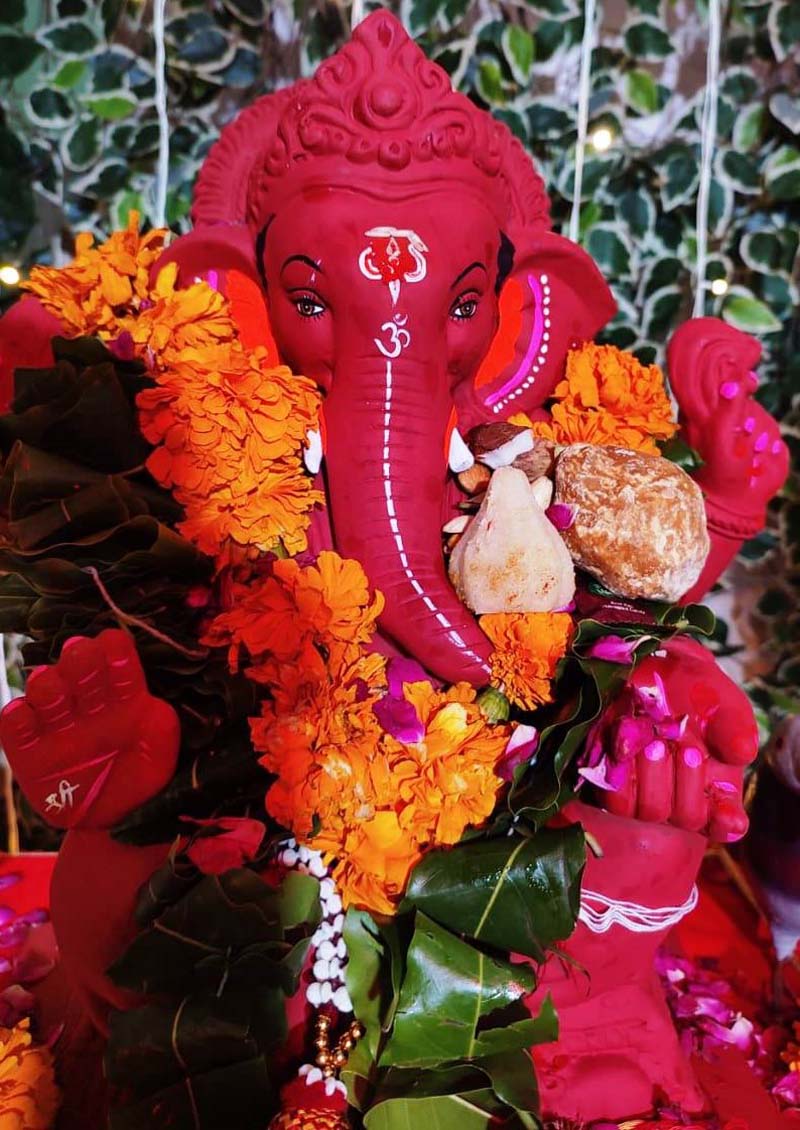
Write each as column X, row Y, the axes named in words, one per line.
column 379, row 104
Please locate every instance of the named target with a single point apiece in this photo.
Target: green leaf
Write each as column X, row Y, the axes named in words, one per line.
column 749, row 314
column 661, row 311
column 679, row 178
column 739, row 85
column 208, row 49
column 111, row 107
column 489, row 82
column 782, row 173
column 680, row 453
column 748, row 127
column 641, row 91
column 646, row 39
column 49, row 108
column 449, row 989
column 741, row 171
column 786, row 109
column 69, row 37
column 637, row 208
column 769, row 251
column 13, row 11
column 81, row 146
column 70, row 74
column 609, row 247
column 243, row 69
column 519, row 49
column 17, row 53
column 475, row 1110
column 783, row 24
column 511, row 893
column 547, row 119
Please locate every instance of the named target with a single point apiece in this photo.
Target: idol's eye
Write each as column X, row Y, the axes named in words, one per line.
column 464, row 307
column 308, row 305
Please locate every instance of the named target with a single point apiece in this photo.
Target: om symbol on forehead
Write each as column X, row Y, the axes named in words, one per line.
column 393, row 256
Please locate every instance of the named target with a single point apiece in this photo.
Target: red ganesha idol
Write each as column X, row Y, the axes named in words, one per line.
column 443, row 587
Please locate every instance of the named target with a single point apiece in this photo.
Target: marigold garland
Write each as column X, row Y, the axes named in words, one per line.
column 29, row 1097
column 609, row 398
column 228, row 427
column 527, row 648
column 344, row 786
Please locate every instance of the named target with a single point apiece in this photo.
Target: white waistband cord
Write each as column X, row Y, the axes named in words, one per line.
column 600, row 913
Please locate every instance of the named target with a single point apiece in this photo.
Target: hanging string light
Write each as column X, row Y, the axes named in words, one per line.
column 162, row 168
column 708, row 137
column 584, row 86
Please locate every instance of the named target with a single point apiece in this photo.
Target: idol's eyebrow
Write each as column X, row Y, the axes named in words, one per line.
column 303, row 259
column 467, row 270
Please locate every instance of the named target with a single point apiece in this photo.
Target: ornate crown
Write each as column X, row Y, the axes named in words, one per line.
column 380, row 104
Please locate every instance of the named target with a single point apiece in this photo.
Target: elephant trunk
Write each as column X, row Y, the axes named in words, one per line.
column 386, row 422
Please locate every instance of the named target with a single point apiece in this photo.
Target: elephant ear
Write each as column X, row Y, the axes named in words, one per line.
column 554, row 298
column 223, row 255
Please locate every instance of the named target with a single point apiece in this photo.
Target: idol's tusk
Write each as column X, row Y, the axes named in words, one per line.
column 460, row 458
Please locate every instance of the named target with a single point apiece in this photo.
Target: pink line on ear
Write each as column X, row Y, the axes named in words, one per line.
column 533, row 347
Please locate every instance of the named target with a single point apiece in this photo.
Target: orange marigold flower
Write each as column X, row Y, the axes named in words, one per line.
column 29, row 1097
column 528, row 646
column 608, row 398
column 327, row 604
column 378, row 803
column 86, row 294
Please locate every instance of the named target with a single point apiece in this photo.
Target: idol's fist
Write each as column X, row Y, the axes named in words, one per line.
column 88, row 743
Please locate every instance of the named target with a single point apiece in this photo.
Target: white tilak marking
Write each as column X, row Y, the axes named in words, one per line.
column 398, row 537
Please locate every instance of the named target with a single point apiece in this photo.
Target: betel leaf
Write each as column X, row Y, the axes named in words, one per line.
column 680, row 453
column 519, row 50
column 448, row 995
column 472, row 1110
column 750, row 314
column 514, row 893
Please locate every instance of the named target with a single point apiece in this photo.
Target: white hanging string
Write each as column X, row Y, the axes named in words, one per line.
column 630, row 915
column 162, row 167
column 356, row 13
column 584, row 86
column 708, row 136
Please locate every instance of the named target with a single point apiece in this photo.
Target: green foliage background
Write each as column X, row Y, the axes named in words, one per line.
column 78, row 144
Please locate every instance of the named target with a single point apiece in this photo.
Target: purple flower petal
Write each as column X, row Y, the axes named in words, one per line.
column 400, row 719
column 652, row 697
column 402, row 671
column 561, row 515
column 616, row 649
column 597, row 775
column 522, row 746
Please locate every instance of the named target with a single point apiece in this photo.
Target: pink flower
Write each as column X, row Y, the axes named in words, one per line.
column 561, row 515
column 616, row 649
column 402, row 671
column 788, row 1088
column 631, row 736
column 521, row 748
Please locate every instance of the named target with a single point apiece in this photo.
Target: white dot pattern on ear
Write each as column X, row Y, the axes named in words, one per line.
column 541, row 354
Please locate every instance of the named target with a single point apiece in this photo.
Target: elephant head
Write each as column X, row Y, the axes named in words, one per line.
column 400, row 237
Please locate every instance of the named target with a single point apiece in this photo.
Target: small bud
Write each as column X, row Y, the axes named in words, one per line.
column 494, row 705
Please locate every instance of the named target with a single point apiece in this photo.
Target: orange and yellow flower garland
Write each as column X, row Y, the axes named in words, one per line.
column 228, row 427
column 29, row 1097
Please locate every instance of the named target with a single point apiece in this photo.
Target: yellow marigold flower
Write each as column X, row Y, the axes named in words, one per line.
column 29, row 1097
column 608, row 398
column 528, row 646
